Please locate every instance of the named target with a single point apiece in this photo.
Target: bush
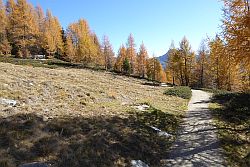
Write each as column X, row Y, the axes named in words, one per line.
column 180, row 91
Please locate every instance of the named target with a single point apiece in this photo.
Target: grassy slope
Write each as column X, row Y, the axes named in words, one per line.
column 82, row 118
column 232, row 116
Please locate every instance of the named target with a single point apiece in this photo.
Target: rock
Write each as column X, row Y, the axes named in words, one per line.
column 35, row 164
column 138, row 163
column 160, row 132
column 143, row 107
column 164, row 85
column 8, row 102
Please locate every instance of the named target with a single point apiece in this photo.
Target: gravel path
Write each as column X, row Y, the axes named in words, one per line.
column 197, row 143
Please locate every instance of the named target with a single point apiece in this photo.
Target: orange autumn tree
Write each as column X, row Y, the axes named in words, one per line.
column 52, row 35
column 236, row 33
column 131, row 54
column 23, row 30
column 4, row 43
column 155, row 71
column 142, row 61
column 121, row 56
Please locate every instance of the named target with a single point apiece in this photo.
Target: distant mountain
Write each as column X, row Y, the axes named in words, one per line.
column 163, row 59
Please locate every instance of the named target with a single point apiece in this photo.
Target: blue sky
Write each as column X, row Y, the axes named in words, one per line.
column 155, row 22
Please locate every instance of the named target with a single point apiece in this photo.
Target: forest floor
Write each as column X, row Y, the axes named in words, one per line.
column 197, row 143
column 79, row 117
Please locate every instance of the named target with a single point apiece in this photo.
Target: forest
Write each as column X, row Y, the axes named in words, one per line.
column 222, row 62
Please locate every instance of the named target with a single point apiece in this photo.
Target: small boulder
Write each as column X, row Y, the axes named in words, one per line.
column 8, row 102
column 138, row 163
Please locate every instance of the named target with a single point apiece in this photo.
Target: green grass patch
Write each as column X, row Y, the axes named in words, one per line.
column 180, row 91
column 231, row 112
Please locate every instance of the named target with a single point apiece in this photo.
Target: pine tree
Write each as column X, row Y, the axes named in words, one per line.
column 126, row 66
column 142, row 61
column 4, row 43
column 131, row 53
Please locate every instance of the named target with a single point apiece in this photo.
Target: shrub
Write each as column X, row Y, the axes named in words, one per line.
column 180, row 91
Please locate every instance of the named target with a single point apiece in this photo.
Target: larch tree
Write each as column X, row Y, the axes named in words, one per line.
column 83, row 42
column 217, row 62
column 142, row 61
column 98, row 59
column 53, row 42
column 172, row 64
column 4, row 43
column 131, row 53
column 40, row 21
column 155, row 71
column 23, row 29
column 187, row 61
column 201, row 67
column 236, row 33
column 121, row 56
column 70, row 49
column 107, row 52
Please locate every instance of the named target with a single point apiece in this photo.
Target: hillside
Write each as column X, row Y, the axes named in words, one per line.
column 79, row 117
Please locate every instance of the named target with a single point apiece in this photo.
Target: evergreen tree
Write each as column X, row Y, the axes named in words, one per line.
column 126, row 66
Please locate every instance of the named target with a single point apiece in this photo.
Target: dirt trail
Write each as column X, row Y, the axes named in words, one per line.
column 197, row 143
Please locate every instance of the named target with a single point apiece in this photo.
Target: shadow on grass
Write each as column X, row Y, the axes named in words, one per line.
column 233, row 120
column 82, row 141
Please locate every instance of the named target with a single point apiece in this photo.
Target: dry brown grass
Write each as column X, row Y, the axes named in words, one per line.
column 59, row 92
column 78, row 117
